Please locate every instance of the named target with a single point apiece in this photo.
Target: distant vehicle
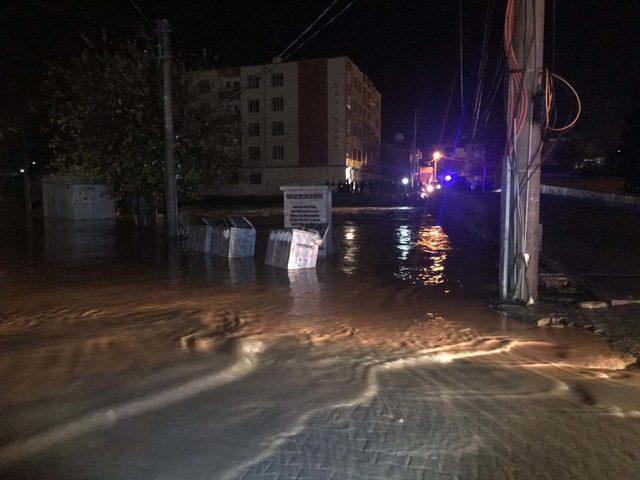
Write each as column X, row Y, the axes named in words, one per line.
column 430, row 189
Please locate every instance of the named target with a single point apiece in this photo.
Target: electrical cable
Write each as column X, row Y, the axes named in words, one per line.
column 461, row 63
column 549, row 99
column 479, row 94
column 326, row 10
column 562, row 130
column 495, row 86
column 281, row 57
column 331, row 20
column 144, row 17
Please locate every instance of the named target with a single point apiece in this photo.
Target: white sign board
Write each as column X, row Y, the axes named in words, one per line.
column 308, row 206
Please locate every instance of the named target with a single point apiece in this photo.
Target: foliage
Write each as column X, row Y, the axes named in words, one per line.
column 106, row 123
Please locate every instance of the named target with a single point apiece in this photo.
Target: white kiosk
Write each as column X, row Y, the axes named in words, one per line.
column 309, row 206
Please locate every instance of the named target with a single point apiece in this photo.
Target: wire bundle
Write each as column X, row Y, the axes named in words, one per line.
column 549, row 88
column 517, row 98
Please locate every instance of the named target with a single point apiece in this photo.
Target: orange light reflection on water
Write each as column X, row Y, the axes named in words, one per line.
column 434, row 242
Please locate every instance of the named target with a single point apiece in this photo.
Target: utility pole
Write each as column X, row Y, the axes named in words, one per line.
column 520, row 197
column 413, row 158
column 170, row 195
column 26, row 156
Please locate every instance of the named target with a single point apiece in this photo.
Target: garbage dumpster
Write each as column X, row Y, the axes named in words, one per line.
column 232, row 237
column 198, row 237
column 293, row 248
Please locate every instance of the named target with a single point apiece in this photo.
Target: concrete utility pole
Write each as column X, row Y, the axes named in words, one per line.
column 413, row 159
column 520, row 198
column 170, row 194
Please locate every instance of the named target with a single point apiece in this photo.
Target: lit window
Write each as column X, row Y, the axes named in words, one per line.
column 278, row 152
column 277, row 128
column 277, row 104
column 254, row 153
column 254, row 130
column 277, row 79
column 254, row 106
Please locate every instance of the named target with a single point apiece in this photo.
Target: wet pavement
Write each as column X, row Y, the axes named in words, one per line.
column 123, row 358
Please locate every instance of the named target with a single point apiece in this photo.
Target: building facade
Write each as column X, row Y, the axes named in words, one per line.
column 311, row 121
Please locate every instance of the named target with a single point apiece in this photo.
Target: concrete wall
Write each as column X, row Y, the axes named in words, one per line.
column 289, row 116
column 476, row 213
column 607, row 198
column 273, row 178
column 336, row 111
column 73, row 198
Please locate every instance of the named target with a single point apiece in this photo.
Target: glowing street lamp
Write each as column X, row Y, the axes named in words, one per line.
column 437, row 155
column 405, row 181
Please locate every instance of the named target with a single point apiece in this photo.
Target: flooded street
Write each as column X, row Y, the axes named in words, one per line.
column 122, row 358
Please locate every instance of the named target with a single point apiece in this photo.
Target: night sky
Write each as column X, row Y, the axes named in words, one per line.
column 408, row 48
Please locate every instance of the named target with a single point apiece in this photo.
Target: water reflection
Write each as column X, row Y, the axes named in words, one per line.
column 78, row 240
column 305, row 292
column 216, row 270
column 403, row 234
column 434, row 242
column 428, row 265
column 351, row 249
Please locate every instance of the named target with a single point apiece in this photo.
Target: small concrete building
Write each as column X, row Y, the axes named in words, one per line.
column 74, row 198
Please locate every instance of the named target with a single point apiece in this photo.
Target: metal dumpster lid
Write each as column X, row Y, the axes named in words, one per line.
column 228, row 221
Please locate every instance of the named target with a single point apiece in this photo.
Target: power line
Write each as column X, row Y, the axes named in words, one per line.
column 326, row 10
column 281, row 57
column 479, row 94
column 144, row 17
column 331, row 20
column 461, row 62
column 553, row 37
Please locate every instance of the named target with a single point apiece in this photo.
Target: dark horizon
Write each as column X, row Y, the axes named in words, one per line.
column 410, row 51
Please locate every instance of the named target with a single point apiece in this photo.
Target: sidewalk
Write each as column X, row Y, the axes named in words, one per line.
column 594, row 249
column 619, row 325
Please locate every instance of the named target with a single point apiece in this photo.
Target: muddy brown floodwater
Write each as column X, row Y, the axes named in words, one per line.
column 123, row 358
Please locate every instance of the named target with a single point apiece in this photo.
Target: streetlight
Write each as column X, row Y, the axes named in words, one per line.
column 405, row 182
column 437, row 155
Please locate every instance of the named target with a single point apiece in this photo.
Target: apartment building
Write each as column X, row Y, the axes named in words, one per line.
column 311, row 121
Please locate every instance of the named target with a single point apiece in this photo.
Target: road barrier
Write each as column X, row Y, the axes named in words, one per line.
column 614, row 199
column 476, row 213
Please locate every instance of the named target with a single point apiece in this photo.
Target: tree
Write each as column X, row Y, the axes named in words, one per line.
column 106, row 123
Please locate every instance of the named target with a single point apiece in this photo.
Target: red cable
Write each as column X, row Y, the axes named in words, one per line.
column 515, row 79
